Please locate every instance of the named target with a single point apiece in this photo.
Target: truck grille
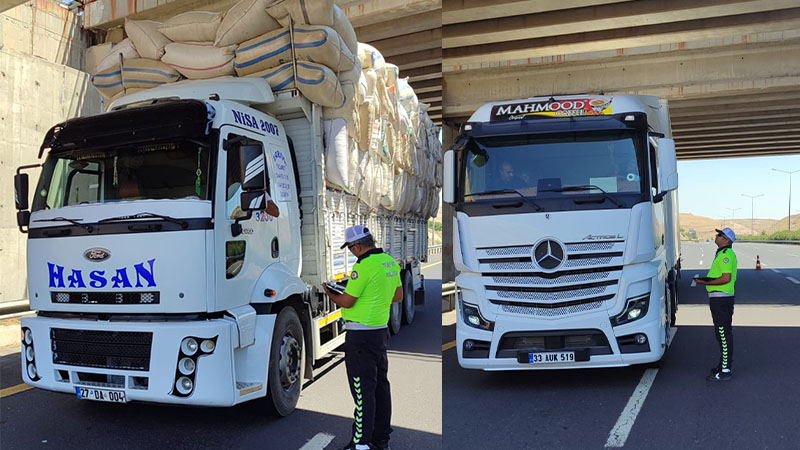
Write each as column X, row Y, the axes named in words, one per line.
column 589, row 276
column 106, row 298
column 124, row 350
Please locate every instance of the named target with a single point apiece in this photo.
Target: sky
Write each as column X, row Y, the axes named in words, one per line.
column 709, row 187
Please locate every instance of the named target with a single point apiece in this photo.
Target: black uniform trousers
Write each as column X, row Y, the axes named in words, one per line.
column 722, row 315
column 367, row 367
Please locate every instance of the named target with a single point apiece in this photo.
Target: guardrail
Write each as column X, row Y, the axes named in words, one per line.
column 435, row 249
column 448, row 296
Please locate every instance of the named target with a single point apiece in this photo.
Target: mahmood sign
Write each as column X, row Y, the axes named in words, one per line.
column 575, row 107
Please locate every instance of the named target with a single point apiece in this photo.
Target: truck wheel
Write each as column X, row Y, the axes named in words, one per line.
column 673, row 306
column 286, row 362
column 395, row 317
column 408, row 298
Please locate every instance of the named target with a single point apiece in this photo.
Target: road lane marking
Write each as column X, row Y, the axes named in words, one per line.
column 448, row 345
column 14, row 389
column 318, row 442
column 701, row 262
column 775, row 270
column 619, row 434
column 431, row 265
column 793, row 280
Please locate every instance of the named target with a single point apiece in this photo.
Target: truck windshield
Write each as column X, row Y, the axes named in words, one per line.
column 544, row 165
column 164, row 170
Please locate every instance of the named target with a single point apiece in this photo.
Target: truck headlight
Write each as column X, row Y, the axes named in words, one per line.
column 635, row 309
column 471, row 315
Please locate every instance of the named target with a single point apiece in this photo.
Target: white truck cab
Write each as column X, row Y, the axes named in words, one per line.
column 566, row 232
column 157, row 273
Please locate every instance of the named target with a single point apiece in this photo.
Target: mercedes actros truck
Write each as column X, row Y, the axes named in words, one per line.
column 566, row 235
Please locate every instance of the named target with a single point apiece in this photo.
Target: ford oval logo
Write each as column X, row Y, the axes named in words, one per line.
column 97, row 254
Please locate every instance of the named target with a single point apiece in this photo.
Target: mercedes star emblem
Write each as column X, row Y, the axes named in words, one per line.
column 548, row 254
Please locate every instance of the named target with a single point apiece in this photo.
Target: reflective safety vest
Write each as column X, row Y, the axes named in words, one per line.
column 724, row 262
column 373, row 281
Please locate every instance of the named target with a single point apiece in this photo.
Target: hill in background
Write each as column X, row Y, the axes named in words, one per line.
column 705, row 226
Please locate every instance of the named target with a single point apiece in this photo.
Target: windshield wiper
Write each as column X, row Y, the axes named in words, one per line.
column 146, row 215
column 585, row 187
column 508, row 191
column 72, row 221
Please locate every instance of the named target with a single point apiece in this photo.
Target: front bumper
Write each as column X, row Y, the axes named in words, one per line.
column 214, row 383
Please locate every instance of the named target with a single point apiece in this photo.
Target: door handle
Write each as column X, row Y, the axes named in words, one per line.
column 275, row 248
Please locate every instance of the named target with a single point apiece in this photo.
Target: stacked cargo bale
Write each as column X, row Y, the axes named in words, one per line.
column 380, row 144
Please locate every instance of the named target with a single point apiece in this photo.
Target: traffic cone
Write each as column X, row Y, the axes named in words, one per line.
column 758, row 263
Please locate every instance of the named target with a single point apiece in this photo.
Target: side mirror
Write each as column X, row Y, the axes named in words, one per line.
column 21, row 191
column 252, row 168
column 253, row 201
column 448, row 182
column 668, row 165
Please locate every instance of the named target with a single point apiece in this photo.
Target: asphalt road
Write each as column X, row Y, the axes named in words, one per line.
column 40, row 419
column 578, row 409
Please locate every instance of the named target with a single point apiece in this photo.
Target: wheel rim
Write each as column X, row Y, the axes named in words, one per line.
column 289, row 364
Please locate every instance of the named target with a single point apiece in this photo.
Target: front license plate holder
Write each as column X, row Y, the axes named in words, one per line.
column 101, row 395
column 524, row 357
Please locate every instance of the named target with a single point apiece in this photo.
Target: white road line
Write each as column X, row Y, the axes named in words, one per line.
column 793, row 280
column 775, row 270
column 619, row 434
column 318, row 442
column 701, row 262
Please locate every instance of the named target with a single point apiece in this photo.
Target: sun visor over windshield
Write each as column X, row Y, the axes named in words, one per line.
column 535, row 124
column 177, row 119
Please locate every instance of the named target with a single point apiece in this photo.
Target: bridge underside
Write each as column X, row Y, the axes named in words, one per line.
column 730, row 68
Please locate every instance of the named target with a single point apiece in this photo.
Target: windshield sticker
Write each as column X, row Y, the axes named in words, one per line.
column 557, row 108
column 282, row 179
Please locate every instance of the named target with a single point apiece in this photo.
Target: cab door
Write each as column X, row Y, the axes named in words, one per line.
column 241, row 255
column 285, row 196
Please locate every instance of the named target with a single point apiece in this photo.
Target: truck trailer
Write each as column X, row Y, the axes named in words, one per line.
column 566, row 233
column 154, row 269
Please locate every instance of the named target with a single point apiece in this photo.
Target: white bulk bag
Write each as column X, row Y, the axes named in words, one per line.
column 94, row 55
column 322, row 45
column 144, row 34
column 108, row 82
column 367, row 114
column 347, row 110
column 124, row 48
column 392, row 75
column 352, row 172
column 279, row 78
column 387, row 190
column 371, row 58
column 192, row 26
column 245, row 20
column 345, row 29
column 146, row 73
column 264, row 52
column 319, row 84
column 318, row 12
column 336, row 152
column 199, row 60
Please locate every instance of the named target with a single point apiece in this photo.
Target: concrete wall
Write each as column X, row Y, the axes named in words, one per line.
column 41, row 84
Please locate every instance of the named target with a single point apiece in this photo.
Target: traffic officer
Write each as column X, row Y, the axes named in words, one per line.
column 374, row 284
column 719, row 283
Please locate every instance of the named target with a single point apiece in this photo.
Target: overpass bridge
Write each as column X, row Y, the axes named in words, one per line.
column 730, row 68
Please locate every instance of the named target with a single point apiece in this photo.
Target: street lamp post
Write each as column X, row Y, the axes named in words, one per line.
column 733, row 211
column 752, row 203
column 790, row 192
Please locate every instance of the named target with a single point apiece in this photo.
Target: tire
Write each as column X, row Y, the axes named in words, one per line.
column 286, row 364
column 409, row 308
column 395, row 317
column 673, row 306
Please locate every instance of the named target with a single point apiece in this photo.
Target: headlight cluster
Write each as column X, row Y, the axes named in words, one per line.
column 471, row 315
column 29, row 355
column 635, row 308
column 192, row 347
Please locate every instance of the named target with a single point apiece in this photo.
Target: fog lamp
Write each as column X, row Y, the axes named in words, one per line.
column 184, row 385
column 189, row 346
column 186, row 366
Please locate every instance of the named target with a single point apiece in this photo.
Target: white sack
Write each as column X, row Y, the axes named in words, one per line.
column 345, row 29
column 148, row 41
column 94, row 55
column 264, row 52
column 279, row 78
column 108, row 82
column 322, row 45
column 199, row 60
column 147, row 73
column 245, row 20
column 319, row 84
column 336, row 152
column 317, row 12
column 192, row 26
column 124, row 48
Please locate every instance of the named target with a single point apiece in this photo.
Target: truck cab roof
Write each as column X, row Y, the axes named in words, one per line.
column 247, row 91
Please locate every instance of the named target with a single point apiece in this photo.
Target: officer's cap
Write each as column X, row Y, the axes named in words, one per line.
column 355, row 233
